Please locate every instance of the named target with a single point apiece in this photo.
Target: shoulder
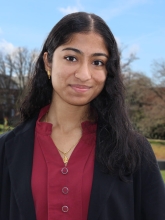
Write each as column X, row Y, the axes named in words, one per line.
column 6, row 136
column 145, row 149
column 148, row 169
column 148, row 183
column 147, row 156
column 19, row 130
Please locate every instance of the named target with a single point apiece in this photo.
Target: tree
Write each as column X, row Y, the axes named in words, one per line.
column 137, row 89
column 158, row 69
column 126, row 62
column 15, row 70
column 146, row 108
column 23, row 63
column 2, row 65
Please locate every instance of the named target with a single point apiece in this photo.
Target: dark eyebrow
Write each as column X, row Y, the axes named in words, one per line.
column 80, row 52
column 100, row 54
column 74, row 49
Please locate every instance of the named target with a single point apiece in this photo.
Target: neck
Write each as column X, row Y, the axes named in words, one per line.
column 66, row 116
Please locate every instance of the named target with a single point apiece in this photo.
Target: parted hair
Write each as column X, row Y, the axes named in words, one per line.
column 116, row 147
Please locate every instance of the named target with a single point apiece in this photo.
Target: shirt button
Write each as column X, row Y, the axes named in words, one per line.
column 65, row 190
column 64, row 170
column 65, row 208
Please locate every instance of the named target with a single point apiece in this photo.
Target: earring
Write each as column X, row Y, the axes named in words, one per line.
column 49, row 75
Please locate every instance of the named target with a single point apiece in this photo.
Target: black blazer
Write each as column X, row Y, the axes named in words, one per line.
column 142, row 198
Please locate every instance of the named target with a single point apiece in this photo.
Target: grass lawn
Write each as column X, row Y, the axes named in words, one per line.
column 163, row 174
column 158, row 148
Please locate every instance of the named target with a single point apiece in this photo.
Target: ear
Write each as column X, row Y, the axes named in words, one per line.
column 46, row 63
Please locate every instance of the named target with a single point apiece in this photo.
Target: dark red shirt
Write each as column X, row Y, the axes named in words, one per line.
column 60, row 192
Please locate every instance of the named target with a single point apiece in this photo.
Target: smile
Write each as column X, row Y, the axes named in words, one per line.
column 80, row 88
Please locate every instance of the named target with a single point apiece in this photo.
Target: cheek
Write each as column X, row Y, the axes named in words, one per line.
column 100, row 78
column 59, row 74
column 62, row 72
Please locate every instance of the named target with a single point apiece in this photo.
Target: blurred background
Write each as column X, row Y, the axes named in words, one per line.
column 138, row 26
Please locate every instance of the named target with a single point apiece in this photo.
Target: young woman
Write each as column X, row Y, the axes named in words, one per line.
column 75, row 155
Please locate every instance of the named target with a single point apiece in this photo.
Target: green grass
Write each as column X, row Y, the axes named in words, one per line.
column 157, row 142
column 163, row 174
column 158, row 148
column 4, row 129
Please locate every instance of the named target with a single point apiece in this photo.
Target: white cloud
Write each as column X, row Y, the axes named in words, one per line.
column 6, row 47
column 69, row 10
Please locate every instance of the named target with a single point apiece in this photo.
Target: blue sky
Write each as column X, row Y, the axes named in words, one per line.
column 137, row 24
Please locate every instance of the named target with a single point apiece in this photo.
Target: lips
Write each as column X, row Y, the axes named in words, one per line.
column 80, row 88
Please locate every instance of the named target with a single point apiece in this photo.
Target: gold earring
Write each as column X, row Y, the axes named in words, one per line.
column 49, row 75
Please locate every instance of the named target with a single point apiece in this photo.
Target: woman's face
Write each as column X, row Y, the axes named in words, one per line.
column 78, row 69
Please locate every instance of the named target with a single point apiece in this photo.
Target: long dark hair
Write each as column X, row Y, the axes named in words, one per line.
column 117, row 148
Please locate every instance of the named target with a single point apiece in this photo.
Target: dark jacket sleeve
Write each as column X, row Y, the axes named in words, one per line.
column 3, row 139
column 5, row 187
column 152, row 187
column 16, row 203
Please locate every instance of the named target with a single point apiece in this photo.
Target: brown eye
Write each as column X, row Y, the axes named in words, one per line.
column 71, row 58
column 98, row 63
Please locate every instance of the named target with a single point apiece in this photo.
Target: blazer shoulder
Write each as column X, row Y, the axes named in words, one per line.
column 144, row 148
column 23, row 127
column 6, row 136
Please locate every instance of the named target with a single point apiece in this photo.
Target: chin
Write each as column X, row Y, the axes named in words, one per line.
column 79, row 102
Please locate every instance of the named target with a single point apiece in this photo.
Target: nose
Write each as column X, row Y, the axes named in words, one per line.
column 83, row 72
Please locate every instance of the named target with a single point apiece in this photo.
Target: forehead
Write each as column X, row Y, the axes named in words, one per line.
column 90, row 40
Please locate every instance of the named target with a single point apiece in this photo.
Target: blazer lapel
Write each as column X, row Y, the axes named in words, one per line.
column 19, row 153
column 101, row 189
